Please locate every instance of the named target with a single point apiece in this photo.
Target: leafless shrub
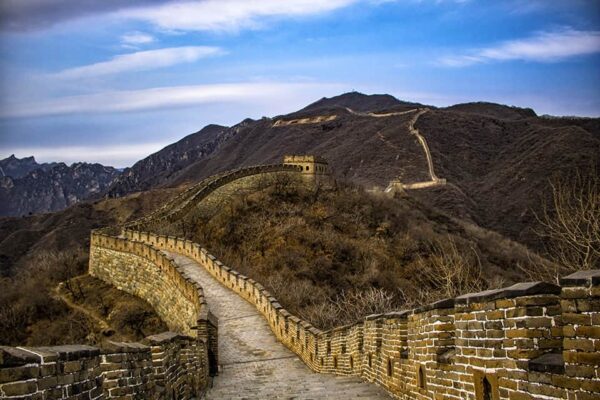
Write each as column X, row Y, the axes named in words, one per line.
column 322, row 315
column 574, row 227
column 354, row 305
column 449, row 272
column 571, row 226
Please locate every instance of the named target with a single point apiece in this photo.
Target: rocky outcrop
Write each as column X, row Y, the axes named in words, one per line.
column 165, row 164
column 19, row 167
column 52, row 189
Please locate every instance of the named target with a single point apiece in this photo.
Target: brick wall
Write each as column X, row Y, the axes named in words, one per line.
column 528, row 341
column 165, row 366
column 144, row 271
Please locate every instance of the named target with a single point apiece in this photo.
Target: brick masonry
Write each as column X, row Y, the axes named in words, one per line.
column 528, row 341
column 165, row 366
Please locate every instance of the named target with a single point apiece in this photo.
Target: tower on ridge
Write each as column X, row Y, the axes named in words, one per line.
column 311, row 165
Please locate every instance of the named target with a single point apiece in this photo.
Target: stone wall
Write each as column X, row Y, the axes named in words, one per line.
column 527, row 341
column 166, row 366
column 181, row 205
column 144, row 271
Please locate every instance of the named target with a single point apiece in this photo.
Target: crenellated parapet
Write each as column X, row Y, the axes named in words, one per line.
column 144, row 271
column 165, row 366
column 526, row 341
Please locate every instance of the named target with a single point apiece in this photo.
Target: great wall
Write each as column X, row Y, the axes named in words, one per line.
column 528, row 341
column 395, row 185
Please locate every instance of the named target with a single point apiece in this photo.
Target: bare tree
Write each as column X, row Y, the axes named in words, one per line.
column 570, row 225
column 449, row 272
column 355, row 305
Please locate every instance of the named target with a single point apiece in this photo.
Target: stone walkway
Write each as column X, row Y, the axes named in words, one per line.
column 254, row 365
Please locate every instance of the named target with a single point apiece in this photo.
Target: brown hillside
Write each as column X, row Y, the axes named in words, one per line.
column 39, row 252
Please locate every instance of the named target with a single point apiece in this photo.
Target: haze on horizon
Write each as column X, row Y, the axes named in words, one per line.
column 112, row 81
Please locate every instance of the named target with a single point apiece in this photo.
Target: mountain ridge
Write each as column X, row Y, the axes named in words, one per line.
column 53, row 187
column 472, row 145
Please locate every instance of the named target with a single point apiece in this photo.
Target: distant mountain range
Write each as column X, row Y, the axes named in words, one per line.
column 27, row 187
column 497, row 159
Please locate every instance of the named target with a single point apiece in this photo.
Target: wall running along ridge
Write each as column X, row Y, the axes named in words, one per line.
column 528, row 341
column 166, row 366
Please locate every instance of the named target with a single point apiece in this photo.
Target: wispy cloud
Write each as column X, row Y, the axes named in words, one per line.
column 542, row 47
column 141, row 61
column 164, row 98
column 186, row 15
column 137, row 38
column 227, row 15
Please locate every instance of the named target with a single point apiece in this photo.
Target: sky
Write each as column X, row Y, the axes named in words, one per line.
column 112, row 81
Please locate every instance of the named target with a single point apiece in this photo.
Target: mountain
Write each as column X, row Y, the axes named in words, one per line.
column 358, row 102
column 493, row 110
column 19, row 167
column 52, row 187
column 497, row 160
column 165, row 164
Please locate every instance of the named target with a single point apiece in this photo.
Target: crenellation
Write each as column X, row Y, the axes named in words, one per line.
column 526, row 341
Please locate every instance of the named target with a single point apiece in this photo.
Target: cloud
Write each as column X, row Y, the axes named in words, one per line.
column 28, row 15
column 171, row 15
column 220, row 15
column 164, row 98
column 142, row 60
column 542, row 47
column 227, row 15
column 137, row 38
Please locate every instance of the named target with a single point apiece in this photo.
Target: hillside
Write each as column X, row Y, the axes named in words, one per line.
column 500, row 170
column 333, row 256
column 498, row 160
column 164, row 165
column 40, row 251
column 39, row 188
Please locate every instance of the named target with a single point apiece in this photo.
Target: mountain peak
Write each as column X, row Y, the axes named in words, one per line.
column 358, row 102
column 494, row 110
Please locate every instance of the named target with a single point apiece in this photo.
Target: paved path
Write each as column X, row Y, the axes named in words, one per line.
column 254, row 364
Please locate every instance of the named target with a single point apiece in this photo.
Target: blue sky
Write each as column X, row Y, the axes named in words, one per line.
column 112, row 81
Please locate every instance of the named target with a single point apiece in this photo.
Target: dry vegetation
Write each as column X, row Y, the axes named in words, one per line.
column 570, row 225
column 84, row 310
column 334, row 256
column 39, row 252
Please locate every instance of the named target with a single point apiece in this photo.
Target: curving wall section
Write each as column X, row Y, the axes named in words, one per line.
column 527, row 341
column 144, row 271
column 194, row 196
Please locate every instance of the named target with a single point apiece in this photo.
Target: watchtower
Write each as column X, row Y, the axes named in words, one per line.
column 311, row 165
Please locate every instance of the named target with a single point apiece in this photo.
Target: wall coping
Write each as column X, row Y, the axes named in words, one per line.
column 582, row 278
column 516, row 290
column 19, row 356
